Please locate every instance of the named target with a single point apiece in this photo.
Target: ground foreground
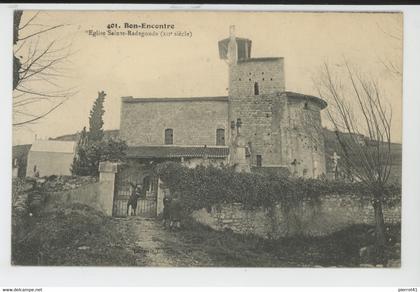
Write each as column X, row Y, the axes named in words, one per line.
column 78, row 235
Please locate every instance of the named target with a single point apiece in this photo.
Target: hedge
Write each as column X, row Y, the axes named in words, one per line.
column 204, row 187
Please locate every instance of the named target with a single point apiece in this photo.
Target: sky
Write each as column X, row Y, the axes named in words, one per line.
column 190, row 66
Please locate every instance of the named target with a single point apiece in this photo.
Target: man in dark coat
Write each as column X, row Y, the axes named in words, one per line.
column 132, row 201
column 166, row 210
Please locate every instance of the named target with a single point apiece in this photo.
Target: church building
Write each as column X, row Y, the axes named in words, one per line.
column 258, row 125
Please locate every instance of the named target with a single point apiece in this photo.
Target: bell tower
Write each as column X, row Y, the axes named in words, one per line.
column 254, row 85
column 234, row 51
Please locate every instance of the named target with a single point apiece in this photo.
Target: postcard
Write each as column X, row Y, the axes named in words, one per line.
column 207, row 138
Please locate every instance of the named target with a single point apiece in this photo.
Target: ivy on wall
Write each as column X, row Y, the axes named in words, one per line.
column 204, row 187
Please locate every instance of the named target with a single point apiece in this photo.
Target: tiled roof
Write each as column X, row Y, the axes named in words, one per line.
column 294, row 95
column 130, row 99
column 237, row 39
column 262, row 59
column 176, row 151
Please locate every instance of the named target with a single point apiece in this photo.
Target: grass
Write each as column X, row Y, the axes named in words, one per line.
column 75, row 235
column 225, row 248
column 78, row 235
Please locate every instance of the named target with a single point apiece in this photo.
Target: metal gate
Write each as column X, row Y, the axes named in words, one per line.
column 146, row 205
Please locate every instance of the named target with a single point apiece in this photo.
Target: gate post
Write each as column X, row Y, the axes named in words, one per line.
column 107, row 172
column 159, row 197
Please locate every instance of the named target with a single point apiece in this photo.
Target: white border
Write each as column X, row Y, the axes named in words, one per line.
column 408, row 275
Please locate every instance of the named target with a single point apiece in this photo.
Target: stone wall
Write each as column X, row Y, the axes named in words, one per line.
column 267, row 72
column 194, row 120
column 91, row 194
column 302, row 138
column 257, row 128
column 282, row 129
column 257, row 111
column 333, row 213
column 278, row 127
column 30, row 195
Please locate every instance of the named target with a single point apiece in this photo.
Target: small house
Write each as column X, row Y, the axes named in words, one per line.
column 50, row 157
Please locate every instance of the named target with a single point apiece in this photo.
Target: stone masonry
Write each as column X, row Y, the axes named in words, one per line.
column 194, row 120
column 333, row 213
column 280, row 129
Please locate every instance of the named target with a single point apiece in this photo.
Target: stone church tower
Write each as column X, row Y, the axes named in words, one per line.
column 281, row 128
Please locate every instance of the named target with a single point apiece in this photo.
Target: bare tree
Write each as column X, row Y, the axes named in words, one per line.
column 38, row 65
column 362, row 124
column 395, row 35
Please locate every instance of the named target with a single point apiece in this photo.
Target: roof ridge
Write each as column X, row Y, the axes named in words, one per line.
column 176, row 151
column 173, row 99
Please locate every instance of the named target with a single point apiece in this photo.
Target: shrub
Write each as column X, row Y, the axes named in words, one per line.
column 86, row 161
column 204, row 187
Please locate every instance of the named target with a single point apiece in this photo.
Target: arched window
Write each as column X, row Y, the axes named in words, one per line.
column 256, row 89
column 220, row 137
column 169, row 136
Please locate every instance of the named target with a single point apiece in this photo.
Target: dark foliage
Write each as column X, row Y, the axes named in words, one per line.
column 92, row 148
column 88, row 157
column 204, row 187
column 96, row 122
column 81, row 165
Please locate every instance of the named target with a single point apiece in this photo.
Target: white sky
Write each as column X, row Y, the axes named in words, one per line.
column 171, row 67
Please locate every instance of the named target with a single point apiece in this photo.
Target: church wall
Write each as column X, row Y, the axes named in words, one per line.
column 303, row 139
column 268, row 73
column 256, row 116
column 193, row 122
column 282, row 129
column 277, row 127
column 258, row 112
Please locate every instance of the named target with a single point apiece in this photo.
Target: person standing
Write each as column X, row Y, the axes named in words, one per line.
column 166, row 210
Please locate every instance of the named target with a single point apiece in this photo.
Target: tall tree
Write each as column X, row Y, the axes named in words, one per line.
column 81, row 165
column 362, row 123
column 105, row 150
column 96, row 122
column 92, row 147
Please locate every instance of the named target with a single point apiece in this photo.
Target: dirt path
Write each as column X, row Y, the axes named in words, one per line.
column 151, row 244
